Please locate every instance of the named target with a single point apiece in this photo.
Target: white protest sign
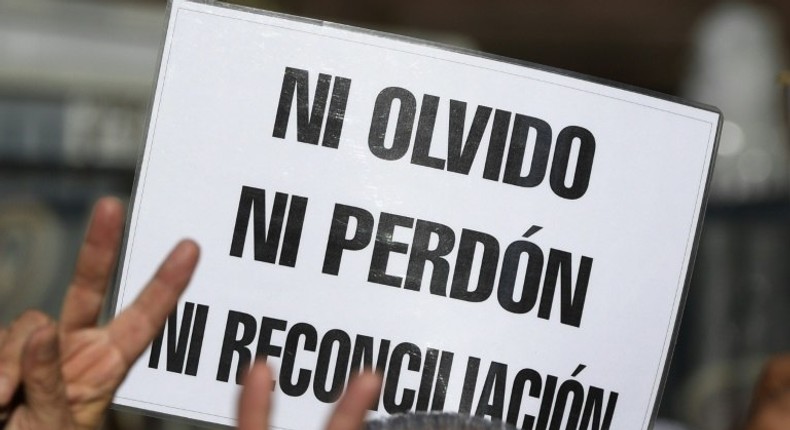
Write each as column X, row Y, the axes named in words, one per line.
column 498, row 239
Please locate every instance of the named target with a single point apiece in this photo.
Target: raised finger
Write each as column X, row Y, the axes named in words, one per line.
column 11, row 351
column 255, row 401
column 137, row 325
column 94, row 267
column 350, row 411
column 45, row 393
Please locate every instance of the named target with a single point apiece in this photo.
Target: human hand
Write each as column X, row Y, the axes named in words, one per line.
column 69, row 371
column 349, row 414
column 770, row 408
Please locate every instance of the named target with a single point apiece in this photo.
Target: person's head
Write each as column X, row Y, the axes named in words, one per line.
column 435, row 421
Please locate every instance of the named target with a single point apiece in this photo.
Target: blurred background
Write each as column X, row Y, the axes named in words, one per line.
column 76, row 77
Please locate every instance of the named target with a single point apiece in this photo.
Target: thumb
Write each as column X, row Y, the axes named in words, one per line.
column 45, row 393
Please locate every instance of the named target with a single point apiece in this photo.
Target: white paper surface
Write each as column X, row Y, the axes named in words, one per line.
column 211, row 134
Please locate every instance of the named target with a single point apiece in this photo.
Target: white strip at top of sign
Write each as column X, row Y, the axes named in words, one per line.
column 498, row 239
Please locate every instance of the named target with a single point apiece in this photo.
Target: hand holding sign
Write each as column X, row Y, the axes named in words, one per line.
column 71, row 370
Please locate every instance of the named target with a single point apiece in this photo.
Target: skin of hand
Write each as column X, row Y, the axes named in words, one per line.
column 349, row 413
column 70, row 370
column 770, row 409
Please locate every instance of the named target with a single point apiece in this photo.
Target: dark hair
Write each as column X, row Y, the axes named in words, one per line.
column 435, row 421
